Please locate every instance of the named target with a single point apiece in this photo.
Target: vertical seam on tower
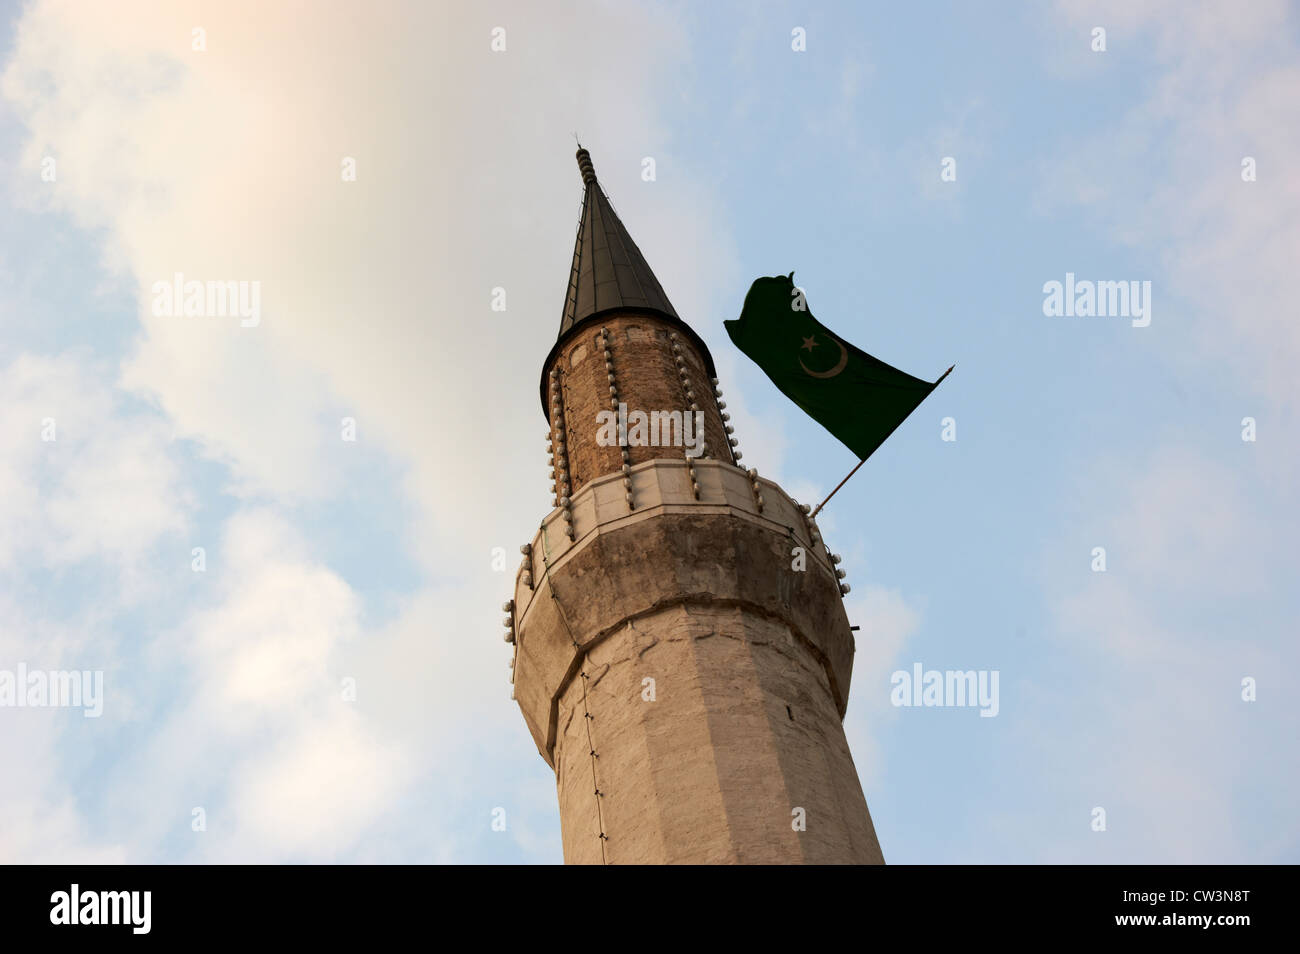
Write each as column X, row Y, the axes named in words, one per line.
column 674, row 350
column 625, row 458
column 715, row 393
column 587, row 717
column 558, row 418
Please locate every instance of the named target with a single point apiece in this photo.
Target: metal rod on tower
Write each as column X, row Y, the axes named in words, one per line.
column 863, row 461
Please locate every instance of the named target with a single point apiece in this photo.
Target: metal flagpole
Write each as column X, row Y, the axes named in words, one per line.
column 863, row 461
column 837, row 487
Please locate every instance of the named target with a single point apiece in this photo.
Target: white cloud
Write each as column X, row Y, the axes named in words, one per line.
column 1168, row 176
column 256, row 730
column 225, row 165
column 1199, row 566
column 82, row 477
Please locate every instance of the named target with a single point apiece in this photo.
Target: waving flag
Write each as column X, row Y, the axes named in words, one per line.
column 858, row 398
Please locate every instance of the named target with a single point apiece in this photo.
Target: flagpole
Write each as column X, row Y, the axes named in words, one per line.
column 837, row 487
column 863, row 461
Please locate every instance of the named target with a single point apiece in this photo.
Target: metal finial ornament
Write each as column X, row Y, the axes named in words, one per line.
column 585, row 167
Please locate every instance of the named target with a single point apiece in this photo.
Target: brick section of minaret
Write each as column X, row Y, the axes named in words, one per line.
column 647, row 380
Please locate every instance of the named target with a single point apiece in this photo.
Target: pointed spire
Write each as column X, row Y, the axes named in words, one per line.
column 608, row 270
column 610, row 274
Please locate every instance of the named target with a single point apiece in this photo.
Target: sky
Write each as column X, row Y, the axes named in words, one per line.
column 300, row 633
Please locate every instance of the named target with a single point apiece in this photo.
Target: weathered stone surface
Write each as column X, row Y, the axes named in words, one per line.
column 750, row 661
column 684, row 680
column 739, row 735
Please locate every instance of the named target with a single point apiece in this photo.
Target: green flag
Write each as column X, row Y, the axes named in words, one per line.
column 856, row 397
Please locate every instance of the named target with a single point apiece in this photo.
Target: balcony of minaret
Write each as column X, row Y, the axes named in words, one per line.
column 755, row 535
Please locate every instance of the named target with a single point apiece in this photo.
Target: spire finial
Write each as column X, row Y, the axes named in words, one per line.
column 585, row 167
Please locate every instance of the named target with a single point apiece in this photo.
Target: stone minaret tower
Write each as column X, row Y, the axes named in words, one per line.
column 681, row 651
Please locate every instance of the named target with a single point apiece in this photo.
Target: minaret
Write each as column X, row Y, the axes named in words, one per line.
column 681, row 651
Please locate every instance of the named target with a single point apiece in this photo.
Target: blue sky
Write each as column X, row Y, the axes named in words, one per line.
column 371, row 560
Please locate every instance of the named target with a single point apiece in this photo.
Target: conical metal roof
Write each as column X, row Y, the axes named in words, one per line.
column 608, row 270
column 610, row 274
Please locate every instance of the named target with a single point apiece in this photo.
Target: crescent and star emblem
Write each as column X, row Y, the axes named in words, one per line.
column 810, row 343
